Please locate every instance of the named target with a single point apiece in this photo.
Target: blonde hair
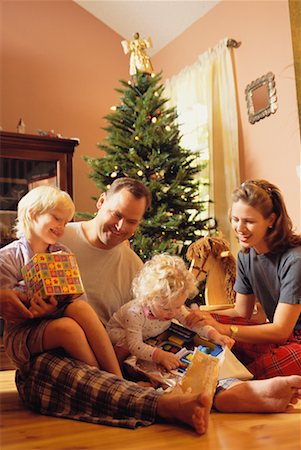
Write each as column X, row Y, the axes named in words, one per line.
column 164, row 278
column 39, row 201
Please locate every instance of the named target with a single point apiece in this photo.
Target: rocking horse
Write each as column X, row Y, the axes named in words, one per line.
column 211, row 258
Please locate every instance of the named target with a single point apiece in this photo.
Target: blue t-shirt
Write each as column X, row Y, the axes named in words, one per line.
column 272, row 278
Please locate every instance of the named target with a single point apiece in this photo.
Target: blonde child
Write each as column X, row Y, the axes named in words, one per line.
column 160, row 290
column 73, row 326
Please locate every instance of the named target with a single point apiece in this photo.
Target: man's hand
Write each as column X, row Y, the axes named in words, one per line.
column 40, row 308
column 12, row 306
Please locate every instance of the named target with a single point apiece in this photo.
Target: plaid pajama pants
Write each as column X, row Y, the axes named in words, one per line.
column 267, row 360
column 59, row 386
column 63, row 387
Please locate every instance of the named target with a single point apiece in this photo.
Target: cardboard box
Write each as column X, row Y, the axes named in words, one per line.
column 53, row 274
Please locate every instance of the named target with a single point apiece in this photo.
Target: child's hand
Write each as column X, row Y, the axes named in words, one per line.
column 166, row 359
column 221, row 339
column 40, row 308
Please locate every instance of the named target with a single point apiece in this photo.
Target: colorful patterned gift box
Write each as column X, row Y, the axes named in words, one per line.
column 53, row 274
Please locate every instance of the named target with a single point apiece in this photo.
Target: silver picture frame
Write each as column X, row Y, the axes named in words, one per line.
column 261, row 97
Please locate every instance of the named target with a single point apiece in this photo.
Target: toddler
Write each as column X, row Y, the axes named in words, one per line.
column 74, row 326
column 160, row 290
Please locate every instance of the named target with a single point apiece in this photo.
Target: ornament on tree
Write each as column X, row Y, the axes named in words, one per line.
column 139, row 60
column 157, row 176
column 154, row 176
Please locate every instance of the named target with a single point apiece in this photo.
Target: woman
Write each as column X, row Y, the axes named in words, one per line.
column 268, row 269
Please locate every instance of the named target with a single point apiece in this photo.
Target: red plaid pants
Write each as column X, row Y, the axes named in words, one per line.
column 267, row 360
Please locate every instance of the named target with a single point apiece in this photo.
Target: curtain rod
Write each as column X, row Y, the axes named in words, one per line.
column 233, row 43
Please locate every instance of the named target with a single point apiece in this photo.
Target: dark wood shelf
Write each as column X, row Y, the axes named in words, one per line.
column 28, row 160
column 41, row 148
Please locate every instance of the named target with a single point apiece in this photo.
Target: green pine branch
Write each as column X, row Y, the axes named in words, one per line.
column 143, row 141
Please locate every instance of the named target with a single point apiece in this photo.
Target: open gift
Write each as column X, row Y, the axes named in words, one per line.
column 220, row 362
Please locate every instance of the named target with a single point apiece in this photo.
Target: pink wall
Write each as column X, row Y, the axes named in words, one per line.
column 61, row 66
column 60, row 69
column 270, row 148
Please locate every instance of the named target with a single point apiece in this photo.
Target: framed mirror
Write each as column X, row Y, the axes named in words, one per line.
column 261, row 97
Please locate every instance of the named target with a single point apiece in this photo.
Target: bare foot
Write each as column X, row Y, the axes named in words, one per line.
column 191, row 409
column 261, row 396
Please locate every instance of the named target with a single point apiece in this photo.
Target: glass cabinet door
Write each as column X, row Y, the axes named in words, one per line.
column 17, row 177
column 28, row 161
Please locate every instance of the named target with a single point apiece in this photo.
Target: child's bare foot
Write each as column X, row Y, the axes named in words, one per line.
column 261, row 396
column 191, row 409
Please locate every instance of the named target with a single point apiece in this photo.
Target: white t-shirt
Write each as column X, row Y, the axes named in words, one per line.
column 106, row 274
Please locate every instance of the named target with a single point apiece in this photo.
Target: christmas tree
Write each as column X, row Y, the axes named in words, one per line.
column 143, row 141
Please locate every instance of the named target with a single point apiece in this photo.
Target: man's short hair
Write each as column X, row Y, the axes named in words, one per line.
column 135, row 187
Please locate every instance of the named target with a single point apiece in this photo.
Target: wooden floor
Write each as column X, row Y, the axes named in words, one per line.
column 24, row 430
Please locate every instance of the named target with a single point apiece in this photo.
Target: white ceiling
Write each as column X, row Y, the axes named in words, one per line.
column 163, row 20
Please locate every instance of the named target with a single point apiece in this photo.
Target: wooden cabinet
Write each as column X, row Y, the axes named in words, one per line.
column 28, row 161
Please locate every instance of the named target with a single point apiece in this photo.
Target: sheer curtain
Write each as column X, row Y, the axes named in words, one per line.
column 205, row 98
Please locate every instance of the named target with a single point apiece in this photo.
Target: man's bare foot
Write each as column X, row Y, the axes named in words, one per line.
column 260, row 396
column 191, row 409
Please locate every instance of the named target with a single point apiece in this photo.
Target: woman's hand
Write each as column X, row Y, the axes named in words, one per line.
column 201, row 318
column 40, row 308
column 220, row 339
column 12, row 306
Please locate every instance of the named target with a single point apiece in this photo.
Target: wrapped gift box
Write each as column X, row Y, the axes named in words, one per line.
column 54, row 274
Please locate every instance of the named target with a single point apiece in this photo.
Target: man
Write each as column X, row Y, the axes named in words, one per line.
column 12, row 306
column 107, row 263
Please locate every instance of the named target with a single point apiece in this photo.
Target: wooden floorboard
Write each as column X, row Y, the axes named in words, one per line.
column 22, row 429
